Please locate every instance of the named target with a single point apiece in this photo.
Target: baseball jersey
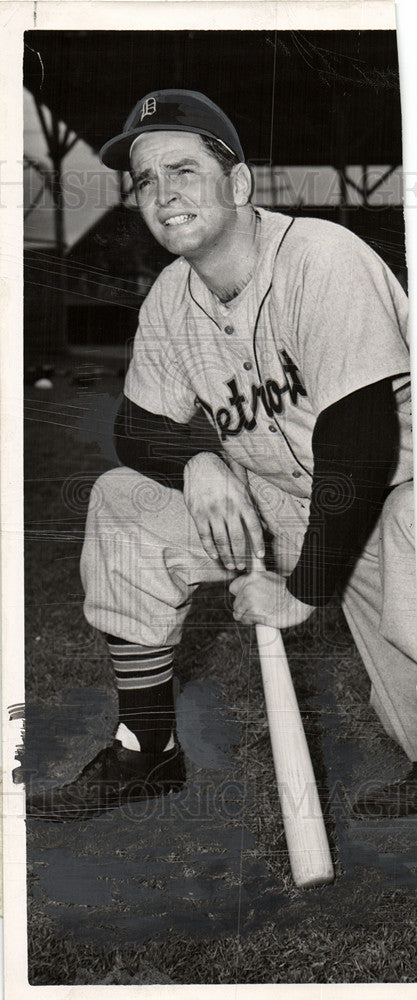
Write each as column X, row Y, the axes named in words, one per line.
column 321, row 317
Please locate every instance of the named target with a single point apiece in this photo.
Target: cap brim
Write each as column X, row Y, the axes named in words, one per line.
column 115, row 152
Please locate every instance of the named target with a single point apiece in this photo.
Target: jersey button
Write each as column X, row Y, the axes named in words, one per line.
column 296, row 473
column 247, row 365
column 273, row 428
column 229, row 329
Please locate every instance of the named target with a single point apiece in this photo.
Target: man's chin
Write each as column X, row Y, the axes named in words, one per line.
column 180, row 242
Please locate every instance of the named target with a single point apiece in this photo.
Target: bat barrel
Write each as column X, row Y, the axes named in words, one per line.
column 308, row 847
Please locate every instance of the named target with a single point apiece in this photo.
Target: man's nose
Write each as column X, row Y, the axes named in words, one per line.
column 165, row 190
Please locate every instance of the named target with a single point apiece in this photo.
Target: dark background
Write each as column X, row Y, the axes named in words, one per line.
column 330, row 96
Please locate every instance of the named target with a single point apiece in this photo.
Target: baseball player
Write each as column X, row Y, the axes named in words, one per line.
column 291, row 335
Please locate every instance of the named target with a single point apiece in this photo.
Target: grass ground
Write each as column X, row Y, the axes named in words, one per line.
column 195, row 897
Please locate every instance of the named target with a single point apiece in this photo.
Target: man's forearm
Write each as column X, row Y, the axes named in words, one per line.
column 355, row 445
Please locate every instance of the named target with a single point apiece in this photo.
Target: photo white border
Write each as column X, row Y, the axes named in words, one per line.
column 15, row 18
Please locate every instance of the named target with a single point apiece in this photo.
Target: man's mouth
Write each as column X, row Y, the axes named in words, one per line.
column 178, row 220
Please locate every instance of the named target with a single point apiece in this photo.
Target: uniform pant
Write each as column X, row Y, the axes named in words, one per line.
column 142, row 560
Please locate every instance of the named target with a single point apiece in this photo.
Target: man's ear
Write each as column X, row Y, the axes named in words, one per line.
column 242, row 184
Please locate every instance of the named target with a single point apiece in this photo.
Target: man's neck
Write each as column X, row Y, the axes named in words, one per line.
column 228, row 268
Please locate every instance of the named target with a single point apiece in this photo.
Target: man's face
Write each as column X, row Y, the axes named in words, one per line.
column 184, row 197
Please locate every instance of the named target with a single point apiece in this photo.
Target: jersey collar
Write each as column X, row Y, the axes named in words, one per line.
column 273, row 226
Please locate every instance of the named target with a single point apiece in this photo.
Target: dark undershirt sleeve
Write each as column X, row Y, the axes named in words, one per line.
column 152, row 444
column 355, row 448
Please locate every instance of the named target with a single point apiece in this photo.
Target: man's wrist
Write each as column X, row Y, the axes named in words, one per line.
column 238, row 470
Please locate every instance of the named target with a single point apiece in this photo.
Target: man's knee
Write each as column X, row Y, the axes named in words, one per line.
column 103, row 486
column 125, row 490
column 114, row 481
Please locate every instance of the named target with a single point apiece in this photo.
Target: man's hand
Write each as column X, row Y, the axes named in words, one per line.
column 221, row 507
column 263, row 599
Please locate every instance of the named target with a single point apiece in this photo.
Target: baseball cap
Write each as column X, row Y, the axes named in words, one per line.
column 171, row 110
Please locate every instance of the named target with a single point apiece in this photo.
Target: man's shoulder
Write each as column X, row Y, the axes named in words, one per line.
column 317, row 244
column 311, row 233
column 307, row 231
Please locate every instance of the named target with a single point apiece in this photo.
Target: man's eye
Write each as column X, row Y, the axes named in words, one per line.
column 142, row 185
column 186, row 170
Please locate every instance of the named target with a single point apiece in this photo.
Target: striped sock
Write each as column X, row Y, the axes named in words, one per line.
column 144, row 680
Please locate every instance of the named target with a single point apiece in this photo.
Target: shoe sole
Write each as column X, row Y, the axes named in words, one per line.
column 131, row 797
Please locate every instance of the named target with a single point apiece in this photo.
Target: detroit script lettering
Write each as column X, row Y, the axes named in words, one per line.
column 241, row 415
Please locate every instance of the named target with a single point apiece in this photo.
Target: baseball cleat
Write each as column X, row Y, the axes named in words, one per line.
column 115, row 777
column 394, row 801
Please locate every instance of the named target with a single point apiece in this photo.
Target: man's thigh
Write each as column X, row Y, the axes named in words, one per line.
column 142, row 559
column 146, row 524
column 380, row 607
column 398, row 570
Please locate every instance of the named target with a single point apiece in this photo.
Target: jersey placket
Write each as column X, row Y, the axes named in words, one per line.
column 254, row 435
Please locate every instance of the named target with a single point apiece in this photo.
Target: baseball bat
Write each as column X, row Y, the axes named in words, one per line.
column 306, row 837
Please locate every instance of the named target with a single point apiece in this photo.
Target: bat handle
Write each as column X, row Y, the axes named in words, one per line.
column 256, row 564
